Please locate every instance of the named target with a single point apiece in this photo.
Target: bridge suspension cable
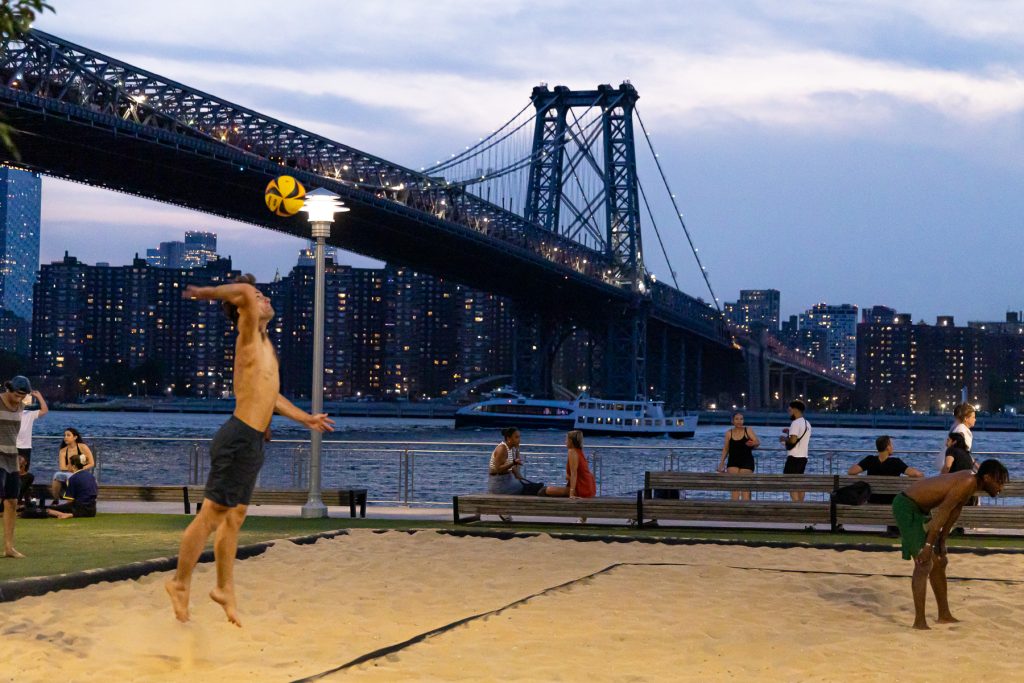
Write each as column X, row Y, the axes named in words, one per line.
column 524, row 162
column 479, row 148
column 679, row 215
column 664, row 252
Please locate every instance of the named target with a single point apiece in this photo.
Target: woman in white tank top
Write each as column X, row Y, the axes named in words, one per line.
column 503, row 471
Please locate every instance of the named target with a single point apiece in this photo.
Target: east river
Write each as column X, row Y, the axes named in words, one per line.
column 427, row 461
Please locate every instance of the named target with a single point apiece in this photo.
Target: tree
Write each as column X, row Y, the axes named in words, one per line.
column 16, row 17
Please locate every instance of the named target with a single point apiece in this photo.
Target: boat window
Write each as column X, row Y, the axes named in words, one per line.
column 647, row 423
column 618, row 420
column 590, row 420
column 680, row 423
column 629, row 422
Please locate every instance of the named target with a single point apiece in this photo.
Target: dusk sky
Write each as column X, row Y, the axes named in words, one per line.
column 850, row 152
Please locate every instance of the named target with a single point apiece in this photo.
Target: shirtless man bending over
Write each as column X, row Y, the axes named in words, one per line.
column 236, row 452
column 925, row 541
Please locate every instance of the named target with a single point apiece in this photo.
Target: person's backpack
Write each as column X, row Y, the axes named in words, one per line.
column 856, row 493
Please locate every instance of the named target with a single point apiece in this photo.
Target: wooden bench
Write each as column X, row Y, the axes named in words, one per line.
column 736, row 511
column 473, row 506
column 187, row 494
column 987, row 515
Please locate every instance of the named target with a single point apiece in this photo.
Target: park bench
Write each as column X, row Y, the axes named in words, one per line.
column 988, row 515
column 689, row 508
column 187, row 494
column 473, row 506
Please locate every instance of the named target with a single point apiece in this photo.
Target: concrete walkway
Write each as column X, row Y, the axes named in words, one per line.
column 444, row 514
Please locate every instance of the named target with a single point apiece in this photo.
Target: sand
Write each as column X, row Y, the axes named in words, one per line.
column 708, row 613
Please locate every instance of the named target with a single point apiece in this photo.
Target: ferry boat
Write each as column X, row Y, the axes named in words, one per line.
column 591, row 415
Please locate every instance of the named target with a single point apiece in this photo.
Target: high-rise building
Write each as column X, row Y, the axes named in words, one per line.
column 840, row 325
column 307, row 256
column 420, row 333
column 810, row 342
column 198, row 249
column 755, row 306
column 104, row 320
column 21, row 193
column 925, row 368
column 13, row 333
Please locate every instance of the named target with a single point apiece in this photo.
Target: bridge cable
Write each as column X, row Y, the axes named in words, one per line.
column 679, row 215
column 469, row 151
column 521, row 163
column 657, row 232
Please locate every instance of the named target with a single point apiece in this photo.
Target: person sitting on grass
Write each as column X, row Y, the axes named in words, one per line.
column 27, row 479
column 80, row 494
column 72, row 447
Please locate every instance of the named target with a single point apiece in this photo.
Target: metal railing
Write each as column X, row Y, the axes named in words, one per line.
column 406, row 472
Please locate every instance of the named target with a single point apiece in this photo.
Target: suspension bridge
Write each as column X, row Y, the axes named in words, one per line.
column 546, row 210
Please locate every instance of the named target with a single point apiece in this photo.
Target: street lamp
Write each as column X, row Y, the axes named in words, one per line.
column 320, row 205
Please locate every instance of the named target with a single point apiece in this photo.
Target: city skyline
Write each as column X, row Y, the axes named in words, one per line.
column 894, row 160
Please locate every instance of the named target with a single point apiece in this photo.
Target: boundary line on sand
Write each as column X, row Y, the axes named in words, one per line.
column 750, row 543
column 426, row 635
column 15, row 589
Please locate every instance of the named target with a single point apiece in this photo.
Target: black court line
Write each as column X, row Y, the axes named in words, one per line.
column 421, row 637
column 662, row 540
column 16, row 589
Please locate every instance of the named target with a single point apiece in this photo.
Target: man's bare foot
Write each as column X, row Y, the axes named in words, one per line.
column 947, row 619
column 179, row 599
column 225, row 597
column 922, row 626
column 11, row 552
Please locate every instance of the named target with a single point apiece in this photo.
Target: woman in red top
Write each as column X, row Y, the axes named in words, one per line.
column 579, row 481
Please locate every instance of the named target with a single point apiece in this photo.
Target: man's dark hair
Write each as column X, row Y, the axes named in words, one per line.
column 958, row 439
column 798, row 404
column 882, row 442
column 230, row 310
column 995, row 469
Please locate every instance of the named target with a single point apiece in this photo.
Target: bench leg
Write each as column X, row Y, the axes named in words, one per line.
column 362, row 506
column 640, row 509
column 351, row 504
column 185, row 501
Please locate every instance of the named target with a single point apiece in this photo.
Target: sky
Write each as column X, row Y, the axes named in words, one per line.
column 860, row 152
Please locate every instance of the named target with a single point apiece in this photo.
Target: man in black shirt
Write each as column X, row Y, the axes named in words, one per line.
column 884, row 465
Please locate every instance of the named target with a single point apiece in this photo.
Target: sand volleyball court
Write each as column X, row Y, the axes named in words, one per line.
column 530, row 609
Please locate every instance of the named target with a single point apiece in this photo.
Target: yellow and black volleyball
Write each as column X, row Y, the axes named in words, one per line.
column 284, row 195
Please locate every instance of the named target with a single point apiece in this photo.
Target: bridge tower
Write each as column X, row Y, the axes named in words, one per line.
column 613, row 157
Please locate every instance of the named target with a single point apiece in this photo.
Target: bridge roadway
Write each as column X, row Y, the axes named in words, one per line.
column 86, row 117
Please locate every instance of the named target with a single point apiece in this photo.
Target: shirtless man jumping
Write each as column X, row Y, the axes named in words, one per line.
column 236, row 453
column 925, row 541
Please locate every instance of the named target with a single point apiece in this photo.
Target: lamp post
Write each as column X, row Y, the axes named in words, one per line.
column 320, row 205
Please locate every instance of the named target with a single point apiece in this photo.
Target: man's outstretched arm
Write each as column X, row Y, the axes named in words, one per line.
column 320, row 422
column 237, row 294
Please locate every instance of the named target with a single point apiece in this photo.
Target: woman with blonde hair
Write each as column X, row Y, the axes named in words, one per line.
column 579, row 481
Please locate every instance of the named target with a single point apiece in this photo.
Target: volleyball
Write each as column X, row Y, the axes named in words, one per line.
column 284, row 195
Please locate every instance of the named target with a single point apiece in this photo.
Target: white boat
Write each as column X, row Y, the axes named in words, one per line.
column 591, row 415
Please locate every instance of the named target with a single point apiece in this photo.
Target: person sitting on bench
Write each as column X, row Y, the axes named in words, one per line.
column 80, row 494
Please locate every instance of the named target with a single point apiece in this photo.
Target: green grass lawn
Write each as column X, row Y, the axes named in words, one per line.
column 58, row 547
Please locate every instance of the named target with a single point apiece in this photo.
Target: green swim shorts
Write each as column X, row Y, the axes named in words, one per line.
column 911, row 520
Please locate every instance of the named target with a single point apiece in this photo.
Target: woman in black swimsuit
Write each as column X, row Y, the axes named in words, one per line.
column 740, row 443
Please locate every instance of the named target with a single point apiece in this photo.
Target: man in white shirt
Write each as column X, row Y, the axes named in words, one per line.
column 28, row 420
column 797, row 443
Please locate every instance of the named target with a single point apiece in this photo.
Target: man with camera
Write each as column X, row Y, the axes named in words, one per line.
column 797, row 442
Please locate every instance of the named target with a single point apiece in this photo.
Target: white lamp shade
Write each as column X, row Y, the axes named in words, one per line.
column 321, row 205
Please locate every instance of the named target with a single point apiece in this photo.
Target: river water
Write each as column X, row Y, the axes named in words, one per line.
column 428, row 461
